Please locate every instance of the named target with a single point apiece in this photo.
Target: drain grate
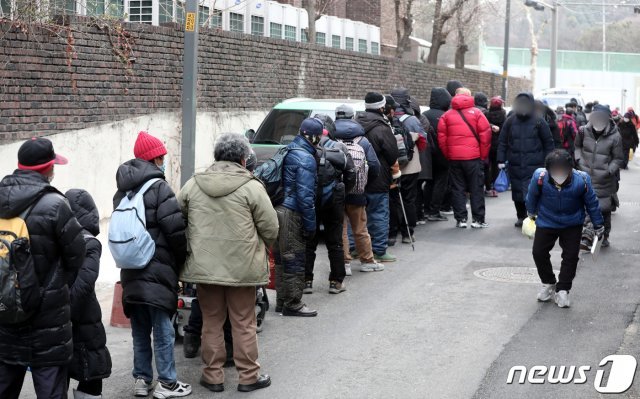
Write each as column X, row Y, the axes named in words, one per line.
column 526, row 275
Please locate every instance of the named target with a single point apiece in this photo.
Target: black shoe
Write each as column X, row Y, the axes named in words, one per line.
column 263, row 382
column 304, row 311
column 212, row 387
column 190, row 345
column 391, row 242
column 308, row 287
column 605, row 243
column 519, row 222
column 437, row 217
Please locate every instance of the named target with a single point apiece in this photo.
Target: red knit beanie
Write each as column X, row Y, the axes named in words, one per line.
column 148, row 147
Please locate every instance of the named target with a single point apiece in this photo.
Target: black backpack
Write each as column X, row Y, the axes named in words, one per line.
column 270, row 173
column 406, row 146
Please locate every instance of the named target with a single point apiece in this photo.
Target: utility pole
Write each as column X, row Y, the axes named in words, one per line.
column 505, row 62
column 189, row 83
column 554, row 45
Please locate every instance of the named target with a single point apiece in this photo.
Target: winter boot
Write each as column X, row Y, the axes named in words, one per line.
column 293, row 305
column 190, row 345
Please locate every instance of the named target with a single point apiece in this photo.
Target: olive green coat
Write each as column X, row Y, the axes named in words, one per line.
column 230, row 223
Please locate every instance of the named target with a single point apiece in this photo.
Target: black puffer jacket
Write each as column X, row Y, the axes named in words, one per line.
column 91, row 358
column 481, row 101
column 58, row 249
column 629, row 135
column 496, row 117
column 157, row 284
column 601, row 156
column 439, row 103
column 378, row 132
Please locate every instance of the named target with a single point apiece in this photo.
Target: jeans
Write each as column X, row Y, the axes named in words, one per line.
column 49, row 382
column 378, row 221
column 467, row 177
column 544, row 242
column 146, row 319
column 332, row 217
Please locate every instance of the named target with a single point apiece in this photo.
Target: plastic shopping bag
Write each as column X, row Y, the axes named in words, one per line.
column 630, row 154
column 502, row 182
column 529, row 228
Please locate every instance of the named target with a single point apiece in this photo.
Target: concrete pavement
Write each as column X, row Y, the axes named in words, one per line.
column 428, row 327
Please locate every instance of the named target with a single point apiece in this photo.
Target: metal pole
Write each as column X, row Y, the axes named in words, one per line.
column 505, row 62
column 554, row 45
column 189, row 82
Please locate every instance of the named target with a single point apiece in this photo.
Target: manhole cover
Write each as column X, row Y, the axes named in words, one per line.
column 527, row 275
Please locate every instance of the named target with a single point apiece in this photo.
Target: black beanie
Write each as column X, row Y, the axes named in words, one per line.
column 452, row 86
column 374, row 100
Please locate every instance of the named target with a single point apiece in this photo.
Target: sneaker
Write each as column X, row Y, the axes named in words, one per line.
column 479, row 225
column 447, row 211
column 141, row 387
column 336, row 287
column 176, row 390
column 385, row 258
column 347, row 269
column 562, row 299
column 308, row 287
column 546, row 292
column 438, row 217
column 371, row 267
column 407, row 240
column 421, row 221
column 519, row 223
column 462, row 224
column 605, row 243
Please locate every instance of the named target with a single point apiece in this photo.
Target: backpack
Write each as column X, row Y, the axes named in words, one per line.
column 360, row 162
column 270, row 174
column 567, row 133
column 130, row 243
column 406, row 146
column 20, row 290
column 544, row 173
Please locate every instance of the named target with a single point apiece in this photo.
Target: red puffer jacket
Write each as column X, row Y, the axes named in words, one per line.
column 456, row 140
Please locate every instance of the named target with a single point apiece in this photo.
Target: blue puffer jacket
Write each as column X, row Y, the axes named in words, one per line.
column 299, row 180
column 347, row 130
column 564, row 207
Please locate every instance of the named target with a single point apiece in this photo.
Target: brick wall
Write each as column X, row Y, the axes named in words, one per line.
column 41, row 94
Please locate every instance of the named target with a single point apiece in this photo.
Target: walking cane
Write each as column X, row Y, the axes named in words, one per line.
column 404, row 213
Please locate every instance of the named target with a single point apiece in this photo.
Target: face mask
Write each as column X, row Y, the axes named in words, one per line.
column 314, row 140
column 598, row 125
column 626, row 120
column 560, row 178
column 163, row 168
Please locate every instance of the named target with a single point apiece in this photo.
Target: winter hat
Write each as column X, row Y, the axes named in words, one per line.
column 344, row 112
column 602, row 108
column 401, row 95
column 391, row 102
column 374, row 100
column 480, row 100
column 148, row 147
column 496, row 102
column 37, row 154
column 312, row 127
column 452, row 86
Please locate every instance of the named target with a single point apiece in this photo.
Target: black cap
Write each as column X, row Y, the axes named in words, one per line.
column 37, row 154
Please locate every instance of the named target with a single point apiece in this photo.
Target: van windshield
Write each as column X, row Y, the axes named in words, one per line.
column 281, row 126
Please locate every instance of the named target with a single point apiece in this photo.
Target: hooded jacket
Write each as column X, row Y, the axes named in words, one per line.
column 379, row 133
column 629, row 135
column 439, row 103
column 157, row 284
column 91, row 358
column 481, row 101
column 551, row 118
column 58, row 250
column 496, row 117
column 412, row 124
column 299, row 179
column 565, row 207
column 602, row 158
column 457, row 141
column 452, row 86
column 231, row 222
column 525, row 142
column 348, row 130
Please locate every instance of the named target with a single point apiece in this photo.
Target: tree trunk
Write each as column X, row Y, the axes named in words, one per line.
column 310, row 6
column 436, row 34
column 404, row 26
column 461, row 47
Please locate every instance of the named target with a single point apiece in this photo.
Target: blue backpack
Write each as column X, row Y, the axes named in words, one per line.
column 130, row 243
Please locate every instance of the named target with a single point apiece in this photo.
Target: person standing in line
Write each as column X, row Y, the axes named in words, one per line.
column 496, row 115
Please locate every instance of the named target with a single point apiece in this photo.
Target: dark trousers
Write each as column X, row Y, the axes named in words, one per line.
column 625, row 153
column 408, row 190
column 467, row 177
column 290, row 259
column 331, row 215
column 49, row 382
column 521, row 209
column 544, row 242
column 491, row 171
column 607, row 223
column 91, row 387
column 436, row 191
column 422, row 200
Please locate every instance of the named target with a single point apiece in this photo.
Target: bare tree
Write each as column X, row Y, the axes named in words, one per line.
column 534, row 33
column 404, row 26
column 315, row 10
column 439, row 33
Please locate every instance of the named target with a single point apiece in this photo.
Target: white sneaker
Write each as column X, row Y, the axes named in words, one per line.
column 371, row 267
column 178, row 390
column 142, row 388
column 347, row 269
column 562, row 299
column 479, row 225
column 546, row 292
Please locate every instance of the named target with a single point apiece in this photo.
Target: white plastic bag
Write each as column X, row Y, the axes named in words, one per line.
column 529, row 228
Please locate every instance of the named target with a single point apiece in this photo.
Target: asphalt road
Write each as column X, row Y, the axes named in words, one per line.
column 428, row 327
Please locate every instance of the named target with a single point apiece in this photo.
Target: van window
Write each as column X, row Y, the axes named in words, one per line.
column 281, row 126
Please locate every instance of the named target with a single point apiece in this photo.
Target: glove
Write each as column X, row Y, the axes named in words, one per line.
column 502, row 166
column 599, row 232
column 308, row 235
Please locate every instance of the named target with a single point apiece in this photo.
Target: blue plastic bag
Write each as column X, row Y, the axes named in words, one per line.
column 502, row 182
